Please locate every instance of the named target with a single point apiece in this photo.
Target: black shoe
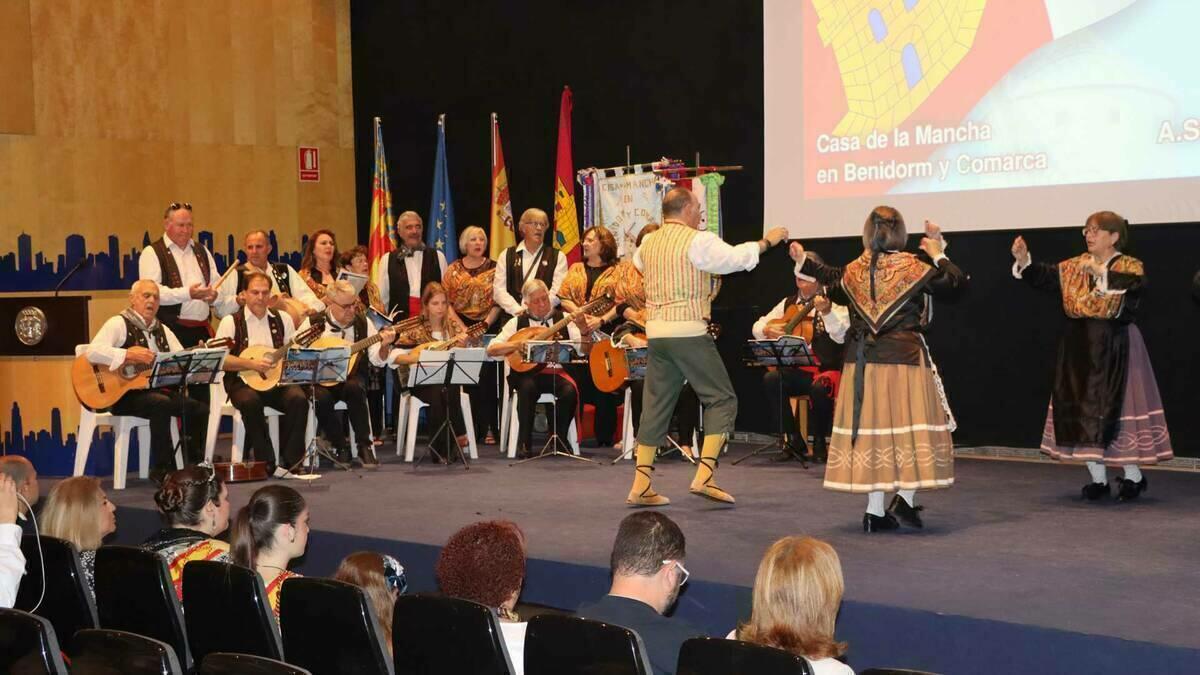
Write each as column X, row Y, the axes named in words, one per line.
column 366, row 455
column 820, row 451
column 343, row 455
column 910, row 515
column 874, row 523
column 1094, row 491
column 1130, row 490
column 524, row 453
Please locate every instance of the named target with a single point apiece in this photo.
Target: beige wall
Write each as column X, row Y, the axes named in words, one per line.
column 113, row 108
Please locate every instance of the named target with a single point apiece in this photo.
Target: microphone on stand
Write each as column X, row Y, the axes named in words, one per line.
column 83, row 262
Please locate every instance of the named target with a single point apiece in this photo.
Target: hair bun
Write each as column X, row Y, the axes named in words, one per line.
column 169, row 497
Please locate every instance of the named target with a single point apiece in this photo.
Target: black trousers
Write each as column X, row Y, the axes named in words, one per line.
column 437, row 412
column 354, row 393
column 687, row 411
column 604, row 424
column 287, row 399
column 531, row 385
column 485, row 400
column 159, row 406
column 782, row 383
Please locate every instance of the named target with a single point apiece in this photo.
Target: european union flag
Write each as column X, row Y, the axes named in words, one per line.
column 441, row 235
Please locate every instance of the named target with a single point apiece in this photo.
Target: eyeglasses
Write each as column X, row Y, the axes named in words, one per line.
column 683, row 569
column 1089, row 230
column 175, row 206
column 534, row 223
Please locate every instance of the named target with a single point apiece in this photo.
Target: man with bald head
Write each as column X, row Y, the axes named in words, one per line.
column 403, row 275
column 285, row 281
column 678, row 262
column 132, row 338
column 185, row 274
column 528, row 259
column 25, row 480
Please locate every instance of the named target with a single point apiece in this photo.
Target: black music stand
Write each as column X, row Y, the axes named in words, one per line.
column 178, row 370
column 555, row 353
column 787, row 351
column 310, row 368
column 459, row 366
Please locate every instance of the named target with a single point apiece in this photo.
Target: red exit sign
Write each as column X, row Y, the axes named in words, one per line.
column 309, row 164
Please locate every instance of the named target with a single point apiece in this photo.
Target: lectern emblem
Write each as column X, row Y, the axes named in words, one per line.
column 30, row 326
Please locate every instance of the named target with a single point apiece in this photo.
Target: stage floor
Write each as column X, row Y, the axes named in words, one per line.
column 1012, row 541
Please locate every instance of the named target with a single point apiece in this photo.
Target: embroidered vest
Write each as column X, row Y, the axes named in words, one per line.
column 241, row 337
column 134, row 337
column 515, row 268
column 398, row 290
column 171, row 277
column 675, row 289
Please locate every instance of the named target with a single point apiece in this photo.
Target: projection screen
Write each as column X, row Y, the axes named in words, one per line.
column 980, row 114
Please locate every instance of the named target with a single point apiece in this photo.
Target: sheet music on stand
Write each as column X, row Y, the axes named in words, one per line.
column 636, row 359
column 553, row 352
column 790, row 351
column 310, row 366
column 195, row 366
column 445, row 368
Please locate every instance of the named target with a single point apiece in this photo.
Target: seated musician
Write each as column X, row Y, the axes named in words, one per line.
column 599, row 273
column 357, row 260
column 285, row 282
column 436, row 325
column 529, row 385
column 255, row 324
column 342, row 319
column 829, row 323
column 133, row 337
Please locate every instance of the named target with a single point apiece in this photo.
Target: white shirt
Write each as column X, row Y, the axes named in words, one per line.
column 826, row 666
column 105, row 348
column 708, row 253
column 227, row 304
column 258, row 331
column 514, row 644
column 347, row 333
column 189, row 273
column 12, row 567
column 837, row 321
column 413, row 265
column 500, row 292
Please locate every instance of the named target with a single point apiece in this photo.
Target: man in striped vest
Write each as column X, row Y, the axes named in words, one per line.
column 678, row 262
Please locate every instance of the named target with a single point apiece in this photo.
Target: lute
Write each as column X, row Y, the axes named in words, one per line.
column 266, row 381
column 516, row 361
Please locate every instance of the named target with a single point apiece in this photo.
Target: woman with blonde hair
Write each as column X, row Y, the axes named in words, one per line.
column 382, row 578
column 468, row 283
column 78, row 511
column 797, row 593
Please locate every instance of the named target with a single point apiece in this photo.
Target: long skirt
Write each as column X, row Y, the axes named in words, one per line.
column 1141, row 436
column 903, row 433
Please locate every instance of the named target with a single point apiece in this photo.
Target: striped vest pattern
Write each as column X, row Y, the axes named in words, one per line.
column 675, row 289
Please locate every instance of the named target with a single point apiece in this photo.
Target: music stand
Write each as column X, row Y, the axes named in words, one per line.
column 459, row 366
column 309, row 368
column 788, row 351
column 178, row 370
column 554, row 353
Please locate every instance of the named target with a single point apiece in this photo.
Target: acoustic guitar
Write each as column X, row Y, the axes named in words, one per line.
column 516, row 361
column 609, row 363
column 266, row 381
column 98, row 388
column 240, row 472
column 793, row 321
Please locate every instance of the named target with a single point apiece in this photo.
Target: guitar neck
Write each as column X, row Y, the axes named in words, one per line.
column 586, row 309
column 800, row 316
column 365, row 342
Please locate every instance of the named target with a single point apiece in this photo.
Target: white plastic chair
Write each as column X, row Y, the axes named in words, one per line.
column 310, row 432
column 219, row 406
column 123, row 426
column 510, row 425
column 409, row 416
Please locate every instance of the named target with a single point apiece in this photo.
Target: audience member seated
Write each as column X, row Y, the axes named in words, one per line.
column 648, row 573
column 21, row 471
column 382, row 578
column 485, row 563
column 194, row 503
column 78, row 511
column 270, row 531
column 796, row 597
column 12, row 561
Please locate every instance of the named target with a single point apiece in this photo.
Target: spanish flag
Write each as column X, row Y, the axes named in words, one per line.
column 379, row 241
column 566, row 221
column 501, row 235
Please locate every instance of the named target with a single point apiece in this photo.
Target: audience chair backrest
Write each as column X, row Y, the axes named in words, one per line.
column 118, row 651
column 435, row 634
column 894, row 671
column 225, row 663
column 708, row 656
column 311, row 609
column 68, row 602
column 225, row 609
column 28, row 644
column 134, row 593
column 570, row 644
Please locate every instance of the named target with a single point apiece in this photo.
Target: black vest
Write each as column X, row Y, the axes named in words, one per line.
column 555, row 317
column 278, row 270
column 134, row 337
column 359, row 325
column 828, row 352
column 171, row 277
column 398, row 290
column 241, row 337
column 516, row 269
